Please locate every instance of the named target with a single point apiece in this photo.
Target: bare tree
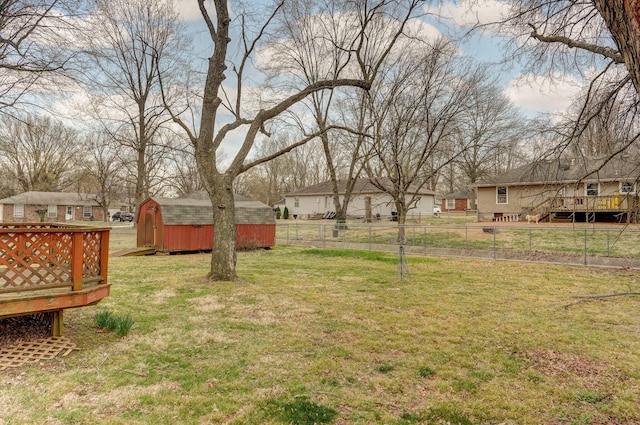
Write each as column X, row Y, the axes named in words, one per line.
column 40, row 154
column 418, row 107
column 489, row 127
column 269, row 181
column 102, row 171
column 208, row 138
column 595, row 36
column 34, row 53
column 345, row 154
column 133, row 44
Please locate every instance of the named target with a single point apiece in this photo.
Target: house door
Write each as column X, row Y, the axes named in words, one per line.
column 69, row 213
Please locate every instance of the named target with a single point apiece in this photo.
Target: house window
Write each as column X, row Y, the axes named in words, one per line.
column 18, row 211
column 296, row 202
column 87, row 212
column 592, row 189
column 52, row 211
column 501, row 195
column 451, row 204
column 627, row 187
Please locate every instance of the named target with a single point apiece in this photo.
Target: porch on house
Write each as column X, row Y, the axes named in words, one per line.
column 620, row 208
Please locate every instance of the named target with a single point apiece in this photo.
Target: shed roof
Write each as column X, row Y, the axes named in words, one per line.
column 198, row 211
column 50, row 198
column 362, row 186
column 568, row 171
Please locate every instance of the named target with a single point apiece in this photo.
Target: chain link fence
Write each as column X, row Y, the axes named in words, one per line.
column 580, row 243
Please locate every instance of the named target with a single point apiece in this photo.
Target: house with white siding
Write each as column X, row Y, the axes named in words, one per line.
column 317, row 200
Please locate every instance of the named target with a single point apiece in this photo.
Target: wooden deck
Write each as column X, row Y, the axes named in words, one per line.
column 51, row 267
column 621, row 207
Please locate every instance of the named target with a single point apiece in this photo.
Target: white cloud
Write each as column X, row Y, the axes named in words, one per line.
column 552, row 93
column 189, row 10
column 471, row 12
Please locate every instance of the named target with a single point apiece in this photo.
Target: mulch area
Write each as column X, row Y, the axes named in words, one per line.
column 25, row 328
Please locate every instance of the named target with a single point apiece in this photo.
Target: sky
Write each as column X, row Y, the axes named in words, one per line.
column 533, row 94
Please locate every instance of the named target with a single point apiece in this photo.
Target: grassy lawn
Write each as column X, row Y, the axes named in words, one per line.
column 333, row 337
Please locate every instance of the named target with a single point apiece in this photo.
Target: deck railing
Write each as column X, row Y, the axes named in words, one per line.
column 618, row 202
column 45, row 256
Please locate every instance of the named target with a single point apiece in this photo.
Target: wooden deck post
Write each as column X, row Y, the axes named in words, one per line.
column 57, row 326
column 77, row 260
column 104, row 255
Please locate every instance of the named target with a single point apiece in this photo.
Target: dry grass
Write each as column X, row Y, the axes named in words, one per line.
column 460, row 341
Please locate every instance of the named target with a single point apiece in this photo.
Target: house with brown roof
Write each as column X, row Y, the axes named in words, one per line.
column 317, row 200
column 563, row 190
column 33, row 207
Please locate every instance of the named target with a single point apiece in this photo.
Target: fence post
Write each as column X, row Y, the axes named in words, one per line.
column 494, row 243
column 466, row 232
column 370, row 235
column 287, row 234
column 608, row 246
column 324, row 235
column 529, row 238
column 425, row 240
column 585, row 247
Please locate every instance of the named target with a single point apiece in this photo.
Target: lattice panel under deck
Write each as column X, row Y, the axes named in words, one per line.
column 35, row 351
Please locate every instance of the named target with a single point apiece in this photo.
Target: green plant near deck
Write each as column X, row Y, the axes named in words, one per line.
column 120, row 324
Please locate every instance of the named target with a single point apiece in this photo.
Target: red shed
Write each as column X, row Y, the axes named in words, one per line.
column 186, row 224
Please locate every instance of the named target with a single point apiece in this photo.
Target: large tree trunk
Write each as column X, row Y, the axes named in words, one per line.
column 223, row 256
column 623, row 19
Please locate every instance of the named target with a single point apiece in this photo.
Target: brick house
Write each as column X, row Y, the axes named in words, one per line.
column 51, row 207
column 458, row 201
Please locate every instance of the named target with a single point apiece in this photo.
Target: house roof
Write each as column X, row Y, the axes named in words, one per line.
column 50, row 198
column 190, row 210
column 362, row 186
column 461, row 194
column 568, row 171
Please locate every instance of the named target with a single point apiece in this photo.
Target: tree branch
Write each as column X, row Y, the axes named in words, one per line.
column 289, row 148
column 607, row 52
column 267, row 114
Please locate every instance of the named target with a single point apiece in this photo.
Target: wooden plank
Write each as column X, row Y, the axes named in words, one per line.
column 76, row 260
column 44, row 301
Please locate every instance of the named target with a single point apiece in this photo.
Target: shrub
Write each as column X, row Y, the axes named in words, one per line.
column 285, row 213
column 278, row 213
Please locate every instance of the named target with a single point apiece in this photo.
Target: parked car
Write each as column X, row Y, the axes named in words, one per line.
column 122, row 216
